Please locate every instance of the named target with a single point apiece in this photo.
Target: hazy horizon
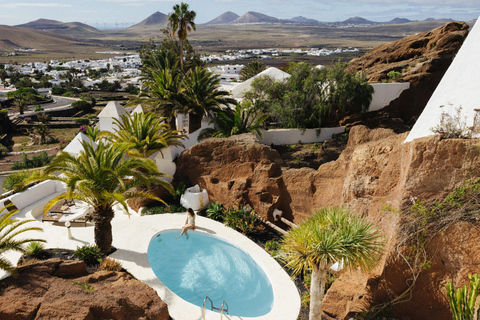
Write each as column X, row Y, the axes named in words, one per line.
column 112, row 14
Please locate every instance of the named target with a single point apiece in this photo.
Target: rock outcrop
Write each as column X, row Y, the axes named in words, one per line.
column 57, row 289
column 375, row 168
column 421, row 59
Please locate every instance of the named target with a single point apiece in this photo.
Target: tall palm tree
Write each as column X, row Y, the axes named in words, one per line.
column 202, row 95
column 9, row 230
column 181, row 22
column 144, row 134
column 252, row 69
column 228, row 122
column 102, row 177
column 330, row 235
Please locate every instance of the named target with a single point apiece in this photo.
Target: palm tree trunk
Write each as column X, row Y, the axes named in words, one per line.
column 181, row 55
column 317, row 289
column 103, row 228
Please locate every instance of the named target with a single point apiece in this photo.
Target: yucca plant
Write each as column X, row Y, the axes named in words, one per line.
column 463, row 301
column 9, row 231
column 91, row 254
column 215, row 211
column 330, row 235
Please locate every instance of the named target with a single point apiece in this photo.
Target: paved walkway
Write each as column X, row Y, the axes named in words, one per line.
column 131, row 237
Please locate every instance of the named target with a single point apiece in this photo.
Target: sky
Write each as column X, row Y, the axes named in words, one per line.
column 123, row 13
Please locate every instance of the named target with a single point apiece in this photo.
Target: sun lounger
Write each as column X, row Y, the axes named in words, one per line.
column 76, row 216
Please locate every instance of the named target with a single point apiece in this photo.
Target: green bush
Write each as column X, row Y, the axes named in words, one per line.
column 16, row 181
column 394, row 75
column 37, row 161
column 3, row 150
column 272, row 246
column 35, row 249
column 161, row 208
column 38, row 108
column 242, row 218
column 82, row 121
column 91, row 254
column 215, row 211
column 82, row 105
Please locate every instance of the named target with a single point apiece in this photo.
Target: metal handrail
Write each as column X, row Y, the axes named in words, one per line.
column 212, row 307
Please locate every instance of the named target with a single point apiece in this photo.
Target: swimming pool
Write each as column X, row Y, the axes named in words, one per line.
column 203, row 265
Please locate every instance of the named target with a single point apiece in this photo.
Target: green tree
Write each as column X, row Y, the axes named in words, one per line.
column 181, row 22
column 331, row 235
column 143, row 134
column 202, row 95
column 9, row 230
column 245, row 118
column 98, row 177
column 20, row 104
column 252, row 69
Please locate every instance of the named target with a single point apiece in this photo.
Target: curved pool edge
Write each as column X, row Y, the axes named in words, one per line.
column 132, row 246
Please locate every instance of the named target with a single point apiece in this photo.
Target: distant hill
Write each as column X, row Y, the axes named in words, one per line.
column 255, row 17
column 71, row 29
column 20, row 37
column 156, row 19
column 224, row 18
column 301, row 19
column 398, row 21
column 358, row 20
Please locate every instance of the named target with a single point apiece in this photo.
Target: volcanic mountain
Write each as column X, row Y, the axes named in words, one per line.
column 255, row 17
column 156, row 19
column 224, row 18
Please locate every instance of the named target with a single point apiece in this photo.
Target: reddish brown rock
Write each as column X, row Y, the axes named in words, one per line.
column 422, row 60
column 37, row 294
column 375, row 168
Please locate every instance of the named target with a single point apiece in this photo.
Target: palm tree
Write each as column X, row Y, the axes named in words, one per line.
column 163, row 94
column 181, row 22
column 251, row 69
column 10, row 229
column 245, row 118
column 92, row 133
column 202, row 95
column 144, row 134
column 330, row 235
column 20, row 104
column 103, row 177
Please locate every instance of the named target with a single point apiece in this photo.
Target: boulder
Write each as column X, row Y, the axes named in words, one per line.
column 40, row 293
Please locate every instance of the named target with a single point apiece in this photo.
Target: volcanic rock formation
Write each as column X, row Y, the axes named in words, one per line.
column 56, row 289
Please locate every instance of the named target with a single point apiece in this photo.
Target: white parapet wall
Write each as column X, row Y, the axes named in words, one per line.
column 292, row 136
column 384, row 93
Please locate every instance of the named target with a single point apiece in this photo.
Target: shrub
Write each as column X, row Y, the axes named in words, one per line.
column 242, row 218
column 161, row 208
column 272, row 246
column 35, row 249
column 43, row 117
column 82, row 105
column 38, row 108
column 215, row 211
column 394, row 75
column 110, row 264
column 3, row 150
column 16, row 181
column 82, row 121
column 37, row 161
column 91, row 254
column 455, row 127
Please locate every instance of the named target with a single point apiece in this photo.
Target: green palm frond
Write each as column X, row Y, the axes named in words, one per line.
column 331, row 235
column 9, row 232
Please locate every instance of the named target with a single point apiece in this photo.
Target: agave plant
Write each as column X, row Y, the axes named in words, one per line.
column 9, row 230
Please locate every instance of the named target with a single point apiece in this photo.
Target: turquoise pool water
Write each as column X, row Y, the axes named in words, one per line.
column 204, row 265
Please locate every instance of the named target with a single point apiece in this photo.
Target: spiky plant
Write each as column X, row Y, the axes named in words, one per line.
column 9, row 232
column 331, row 235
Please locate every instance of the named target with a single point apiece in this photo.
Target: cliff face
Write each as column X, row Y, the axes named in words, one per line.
column 421, row 60
column 376, row 167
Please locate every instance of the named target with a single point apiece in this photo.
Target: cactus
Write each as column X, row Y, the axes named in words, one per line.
column 463, row 301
